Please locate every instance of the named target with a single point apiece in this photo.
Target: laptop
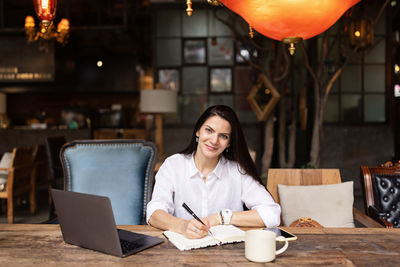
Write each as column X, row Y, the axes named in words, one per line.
column 88, row 221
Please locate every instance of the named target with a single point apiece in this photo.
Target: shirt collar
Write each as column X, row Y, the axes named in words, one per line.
column 218, row 171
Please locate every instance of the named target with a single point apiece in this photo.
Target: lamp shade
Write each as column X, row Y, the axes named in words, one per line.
column 158, row 101
column 281, row 19
column 46, row 10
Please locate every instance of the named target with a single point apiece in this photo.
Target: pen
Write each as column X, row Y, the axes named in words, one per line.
column 186, row 207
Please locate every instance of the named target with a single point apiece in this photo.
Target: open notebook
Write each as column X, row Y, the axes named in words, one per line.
column 223, row 234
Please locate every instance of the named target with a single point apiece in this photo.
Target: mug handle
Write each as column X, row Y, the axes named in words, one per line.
column 282, row 239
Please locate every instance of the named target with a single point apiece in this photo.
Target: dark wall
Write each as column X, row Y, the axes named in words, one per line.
column 349, row 147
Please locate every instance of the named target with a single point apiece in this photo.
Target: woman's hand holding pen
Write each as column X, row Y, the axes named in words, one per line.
column 194, row 229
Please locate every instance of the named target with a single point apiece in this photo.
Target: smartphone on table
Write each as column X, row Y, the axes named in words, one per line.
column 280, row 232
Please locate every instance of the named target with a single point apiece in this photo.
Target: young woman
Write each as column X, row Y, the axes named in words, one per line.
column 216, row 177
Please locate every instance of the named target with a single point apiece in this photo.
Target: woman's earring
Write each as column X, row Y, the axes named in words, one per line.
column 226, row 150
column 197, row 139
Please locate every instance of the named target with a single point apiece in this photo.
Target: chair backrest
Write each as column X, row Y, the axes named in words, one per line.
column 300, row 177
column 381, row 189
column 304, row 177
column 119, row 169
column 19, row 178
column 53, row 146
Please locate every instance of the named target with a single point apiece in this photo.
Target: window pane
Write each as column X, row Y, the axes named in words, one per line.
column 380, row 27
column 169, row 52
column 221, row 80
column 356, row 58
column 169, row 79
column 194, row 80
column 194, row 51
column 376, row 54
column 351, row 107
column 332, row 109
column 220, row 51
column 374, row 108
column 351, row 79
column 169, row 23
column 335, row 87
column 175, row 117
column 196, row 24
column 374, row 78
column 221, row 100
column 216, row 27
column 193, row 106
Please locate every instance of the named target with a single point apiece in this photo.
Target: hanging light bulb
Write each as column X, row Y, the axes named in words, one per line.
column 45, row 10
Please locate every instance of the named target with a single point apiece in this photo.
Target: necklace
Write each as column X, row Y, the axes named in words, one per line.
column 204, row 169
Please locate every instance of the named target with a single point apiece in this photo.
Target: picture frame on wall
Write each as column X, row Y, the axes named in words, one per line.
column 263, row 98
column 220, row 80
column 169, row 79
column 194, row 51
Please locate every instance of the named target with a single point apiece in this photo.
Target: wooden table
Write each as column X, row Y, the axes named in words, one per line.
column 43, row 245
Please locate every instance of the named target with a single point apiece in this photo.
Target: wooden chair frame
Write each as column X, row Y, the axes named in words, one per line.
column 310, row 177
column 367, row 186
column 19, row 179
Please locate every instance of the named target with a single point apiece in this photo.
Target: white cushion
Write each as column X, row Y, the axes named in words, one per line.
column 5, row 163
column 330, row 205
column 5, row 160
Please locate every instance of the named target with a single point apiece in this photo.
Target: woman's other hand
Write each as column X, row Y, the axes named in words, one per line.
column 212, row 220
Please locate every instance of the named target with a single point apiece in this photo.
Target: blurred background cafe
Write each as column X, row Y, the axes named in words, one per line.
column 310, row 92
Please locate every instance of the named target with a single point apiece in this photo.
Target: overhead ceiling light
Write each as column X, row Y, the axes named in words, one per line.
column 287, row 20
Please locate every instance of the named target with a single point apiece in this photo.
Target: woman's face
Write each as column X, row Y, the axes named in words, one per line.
column 214, row 137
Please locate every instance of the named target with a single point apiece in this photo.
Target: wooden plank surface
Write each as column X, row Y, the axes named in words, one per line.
column 300, row 177
column 22, row 245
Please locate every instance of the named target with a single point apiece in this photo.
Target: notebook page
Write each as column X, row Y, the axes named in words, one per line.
column 222, row 233
column 183, row 243
column 228, row 233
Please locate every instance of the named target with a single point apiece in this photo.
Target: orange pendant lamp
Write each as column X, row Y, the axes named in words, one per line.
column 290, row 20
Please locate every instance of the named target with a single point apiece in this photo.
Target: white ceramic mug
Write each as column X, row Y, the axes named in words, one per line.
column 260, row 245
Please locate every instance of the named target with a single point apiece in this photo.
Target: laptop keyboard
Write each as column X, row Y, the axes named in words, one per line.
column 128, row 246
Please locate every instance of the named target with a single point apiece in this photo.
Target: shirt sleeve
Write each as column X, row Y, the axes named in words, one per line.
column 256, row 197
column 163, row 191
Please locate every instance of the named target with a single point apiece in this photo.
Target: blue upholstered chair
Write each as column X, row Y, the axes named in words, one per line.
column 119, row 169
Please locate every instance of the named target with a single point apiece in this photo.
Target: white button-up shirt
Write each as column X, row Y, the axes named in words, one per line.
column 179, row 181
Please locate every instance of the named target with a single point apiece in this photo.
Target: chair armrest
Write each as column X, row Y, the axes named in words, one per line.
column 366, row 220
column 379, row 216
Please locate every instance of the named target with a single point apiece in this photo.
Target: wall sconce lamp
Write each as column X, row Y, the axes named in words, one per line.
column 158, row 102
column 61, row 35
column 361, row 33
